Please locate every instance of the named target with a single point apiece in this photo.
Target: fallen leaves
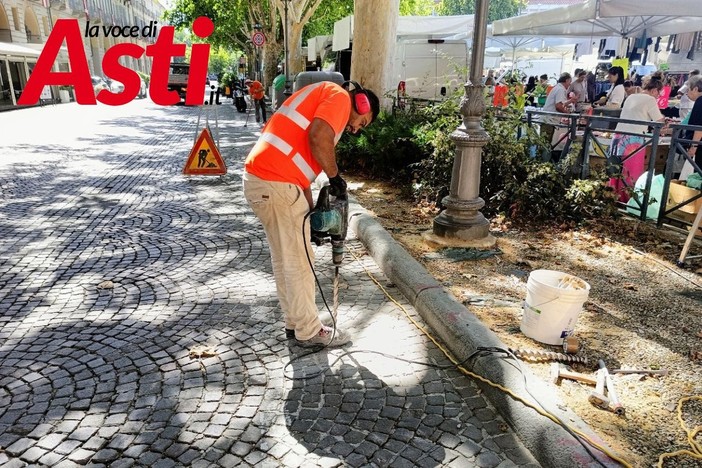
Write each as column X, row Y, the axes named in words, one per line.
column 202, row 351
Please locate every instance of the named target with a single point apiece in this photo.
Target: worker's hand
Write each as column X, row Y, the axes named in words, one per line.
column 692, row 151
column 337, row 186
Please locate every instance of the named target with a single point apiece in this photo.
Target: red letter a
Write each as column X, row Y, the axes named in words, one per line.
column 79, row 76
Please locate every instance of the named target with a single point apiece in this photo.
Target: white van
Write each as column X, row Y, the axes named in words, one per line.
column 430, row 68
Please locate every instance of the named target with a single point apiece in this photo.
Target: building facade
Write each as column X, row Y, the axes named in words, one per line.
column 25, row 26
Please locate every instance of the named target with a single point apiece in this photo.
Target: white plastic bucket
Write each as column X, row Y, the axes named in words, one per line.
column 549, row 312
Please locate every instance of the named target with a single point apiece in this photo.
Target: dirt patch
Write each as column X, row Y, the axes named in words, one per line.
column 642, row 312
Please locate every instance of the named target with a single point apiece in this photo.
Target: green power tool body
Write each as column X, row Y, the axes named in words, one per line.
column 329, row 221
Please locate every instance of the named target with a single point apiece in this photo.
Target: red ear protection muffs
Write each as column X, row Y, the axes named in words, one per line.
column 361, row 103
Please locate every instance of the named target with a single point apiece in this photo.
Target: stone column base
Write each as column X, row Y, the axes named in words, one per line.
column 434, row 240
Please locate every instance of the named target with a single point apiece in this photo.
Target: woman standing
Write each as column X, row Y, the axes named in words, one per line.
column 631, row 148
column 616, row 94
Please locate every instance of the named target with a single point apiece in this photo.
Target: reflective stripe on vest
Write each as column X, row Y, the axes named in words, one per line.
column 282, row 146
column 290, row 111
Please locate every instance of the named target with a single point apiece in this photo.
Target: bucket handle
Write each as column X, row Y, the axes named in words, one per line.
column 534, row 307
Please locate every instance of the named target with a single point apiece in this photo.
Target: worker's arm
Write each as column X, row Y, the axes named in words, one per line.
column 321, row 140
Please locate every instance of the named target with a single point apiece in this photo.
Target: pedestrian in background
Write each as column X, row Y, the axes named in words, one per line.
column 257, row 94
column 638, row 106
column 579, row 89
column 591, row 86
column 616, row 94
column 556, row 101
column 295, row 146
column 694, row 92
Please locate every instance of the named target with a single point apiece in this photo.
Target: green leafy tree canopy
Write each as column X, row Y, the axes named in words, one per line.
column 498, row 9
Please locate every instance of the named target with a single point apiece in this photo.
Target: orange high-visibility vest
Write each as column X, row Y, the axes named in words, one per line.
column 282, row 153
column 256, row 90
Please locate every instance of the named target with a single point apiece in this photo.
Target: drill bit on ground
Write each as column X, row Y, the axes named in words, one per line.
column 538, row 356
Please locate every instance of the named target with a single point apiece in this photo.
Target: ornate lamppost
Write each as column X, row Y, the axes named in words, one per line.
column 461, row 223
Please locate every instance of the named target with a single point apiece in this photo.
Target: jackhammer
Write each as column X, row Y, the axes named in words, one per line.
column 329, row 223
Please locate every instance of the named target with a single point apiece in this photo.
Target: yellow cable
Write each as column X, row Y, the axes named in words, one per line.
column 473, row 375
column 691, row 434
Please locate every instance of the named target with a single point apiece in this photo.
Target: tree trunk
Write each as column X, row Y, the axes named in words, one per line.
column 374, row 37
column 271, row 58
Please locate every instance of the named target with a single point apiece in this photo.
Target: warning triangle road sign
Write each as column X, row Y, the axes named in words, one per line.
column 204, row 158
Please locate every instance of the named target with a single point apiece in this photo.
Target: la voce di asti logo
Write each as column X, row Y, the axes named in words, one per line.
column 160, row 51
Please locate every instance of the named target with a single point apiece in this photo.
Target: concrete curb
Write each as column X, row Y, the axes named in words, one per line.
column 463, row 333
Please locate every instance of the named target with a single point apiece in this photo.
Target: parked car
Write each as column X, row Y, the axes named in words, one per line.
column 115, row 86
column 99, row 84
column 212, row 78
column 142, row 88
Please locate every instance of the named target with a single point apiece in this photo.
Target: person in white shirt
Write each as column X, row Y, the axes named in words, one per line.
column 629, row 150
column 556, row 101
column 579, row 88
column 616, row 94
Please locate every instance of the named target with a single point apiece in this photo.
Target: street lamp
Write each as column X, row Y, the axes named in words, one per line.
column 461, row 223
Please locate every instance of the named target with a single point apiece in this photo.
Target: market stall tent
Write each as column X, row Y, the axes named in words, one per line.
column 603, row 18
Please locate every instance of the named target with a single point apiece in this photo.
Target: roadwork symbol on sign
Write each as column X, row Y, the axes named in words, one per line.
column 204, row 158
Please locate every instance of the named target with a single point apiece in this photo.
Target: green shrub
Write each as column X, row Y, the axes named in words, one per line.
column 415, row 149
column 384, row 150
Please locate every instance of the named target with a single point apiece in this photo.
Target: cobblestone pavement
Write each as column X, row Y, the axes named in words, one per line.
column 139, row 326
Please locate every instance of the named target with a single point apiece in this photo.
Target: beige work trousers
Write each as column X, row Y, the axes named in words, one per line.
column 281, row 207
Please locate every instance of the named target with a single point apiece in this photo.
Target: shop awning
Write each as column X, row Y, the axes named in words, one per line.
column 8, row 49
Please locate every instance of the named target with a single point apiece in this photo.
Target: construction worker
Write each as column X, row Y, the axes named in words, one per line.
column 257, row 94
column 294, row 147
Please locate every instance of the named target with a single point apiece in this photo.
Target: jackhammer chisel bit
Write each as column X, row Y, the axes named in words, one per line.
column 597, row 396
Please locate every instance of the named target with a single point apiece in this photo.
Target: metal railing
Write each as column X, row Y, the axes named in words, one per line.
column 588, row 130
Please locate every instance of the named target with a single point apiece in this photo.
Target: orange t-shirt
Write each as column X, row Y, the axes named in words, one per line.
column 256, row 90
column 283, row 153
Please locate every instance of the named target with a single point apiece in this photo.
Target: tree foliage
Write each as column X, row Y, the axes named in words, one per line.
column 328, row 13
column 497, row 9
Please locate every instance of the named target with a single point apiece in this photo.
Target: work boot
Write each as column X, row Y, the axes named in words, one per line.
column 324, row 338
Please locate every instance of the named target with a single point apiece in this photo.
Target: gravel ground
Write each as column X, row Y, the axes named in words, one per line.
column 642, row 312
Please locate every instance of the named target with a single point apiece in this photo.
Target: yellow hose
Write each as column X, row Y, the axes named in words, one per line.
column 696, row 452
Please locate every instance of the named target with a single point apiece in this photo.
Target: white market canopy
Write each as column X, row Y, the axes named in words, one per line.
column 439, row 27
column 606, row 18
column 408, row 27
